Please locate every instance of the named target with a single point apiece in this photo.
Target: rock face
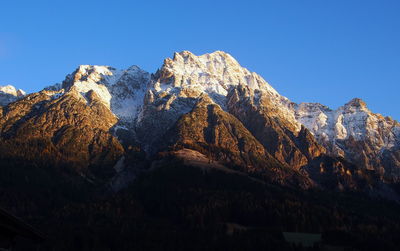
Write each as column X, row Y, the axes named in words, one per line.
column 63, row 131
column 269, row 124
column 99, row 117
column 223, row 138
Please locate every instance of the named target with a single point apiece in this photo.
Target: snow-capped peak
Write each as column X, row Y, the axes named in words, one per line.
column 9, row 93
column 94, row 72
column 353, row 120
column 93, row 77
column 9, row 89
column 122, row 91
column 212, row 73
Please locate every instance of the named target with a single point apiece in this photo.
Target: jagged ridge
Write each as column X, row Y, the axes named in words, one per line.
column 145, row 107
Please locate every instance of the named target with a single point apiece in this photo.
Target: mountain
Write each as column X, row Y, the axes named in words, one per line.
column 176, row 87
column 201, row 127
column 110, row 112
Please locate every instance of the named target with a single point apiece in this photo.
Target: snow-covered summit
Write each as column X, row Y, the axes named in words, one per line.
column 212, row 73
column 9, row 93
column 352, row 121
column 215, row 74
column 9, row 89
column 120, row 90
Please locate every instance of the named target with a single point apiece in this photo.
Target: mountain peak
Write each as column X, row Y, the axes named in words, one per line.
column 9, row 93
column 213, row 73
column 134, row 68
column 221, row 58
column 186, row 54
column 11, row 90
column 92, row 73
column 356, row 104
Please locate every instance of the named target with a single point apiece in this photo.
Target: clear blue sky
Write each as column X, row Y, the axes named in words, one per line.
column 326, row 51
